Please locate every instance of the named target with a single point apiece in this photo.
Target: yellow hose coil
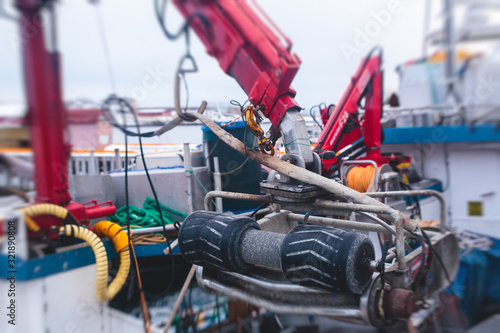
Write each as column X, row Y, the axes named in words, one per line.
column 103, row 291
column 114, row 232
column 361, row 178
column 45, row 208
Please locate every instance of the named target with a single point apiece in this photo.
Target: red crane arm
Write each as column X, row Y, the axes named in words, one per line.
column 344, row 127
column 246, row 49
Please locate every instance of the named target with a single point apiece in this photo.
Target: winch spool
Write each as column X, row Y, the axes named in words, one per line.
column 313, row 256
column 361, row 178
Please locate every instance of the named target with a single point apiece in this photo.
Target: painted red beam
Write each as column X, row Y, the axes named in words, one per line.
column 46, row 115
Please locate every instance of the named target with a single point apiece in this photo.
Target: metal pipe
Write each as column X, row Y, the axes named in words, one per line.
column 326, row 311
column 284, row 287
column 236, row 196
column 189, row 169
column 416, row 193
column 350, row 207
column 379, row 221
column 118, row 160
column 217, row 183
column 168, row 227
column 400, row 249
column 340, row 223
column 92, row 168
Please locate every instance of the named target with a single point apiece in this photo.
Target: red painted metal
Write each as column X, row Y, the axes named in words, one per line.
column 248, row 50
column 344, row 127
column 47, row 119
column 91, row 210
column 46, row 112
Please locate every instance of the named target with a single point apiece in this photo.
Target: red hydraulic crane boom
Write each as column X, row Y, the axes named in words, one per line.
column 248, row 50
column 345, row 132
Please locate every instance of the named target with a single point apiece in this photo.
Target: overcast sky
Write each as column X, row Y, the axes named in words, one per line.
column 321, row 30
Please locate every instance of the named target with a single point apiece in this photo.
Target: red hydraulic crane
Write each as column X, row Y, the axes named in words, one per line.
column 344, row 132
column 47, row 119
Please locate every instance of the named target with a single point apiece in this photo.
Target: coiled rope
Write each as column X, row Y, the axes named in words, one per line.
column 362, row 179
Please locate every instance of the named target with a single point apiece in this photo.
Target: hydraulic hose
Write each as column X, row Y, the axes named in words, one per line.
column 49, row 209
column 120, row 240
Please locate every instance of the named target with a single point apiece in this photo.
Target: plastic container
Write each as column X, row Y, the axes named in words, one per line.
column 235, row 177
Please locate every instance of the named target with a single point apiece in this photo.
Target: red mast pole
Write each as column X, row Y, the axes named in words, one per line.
column 46, row 114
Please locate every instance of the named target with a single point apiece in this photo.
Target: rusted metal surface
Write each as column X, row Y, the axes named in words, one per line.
column 401, row 303
column 416, row 193
column 340, row 223
column 279, row 298
column 236, row 196
column 349, row 207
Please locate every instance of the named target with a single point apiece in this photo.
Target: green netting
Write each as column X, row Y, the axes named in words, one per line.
column 146, row 217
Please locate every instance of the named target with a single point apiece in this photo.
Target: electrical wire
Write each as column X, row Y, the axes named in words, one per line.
column 258, row 208
column 170, row 284
column 145, row 313
column 319, row 106
column 106, row 112
column 424, row 253
column 160, row 12
column 415, row 199
column 441, row 263
column 124, row 108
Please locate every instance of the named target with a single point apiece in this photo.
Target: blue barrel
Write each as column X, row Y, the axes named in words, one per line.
column 239, row 174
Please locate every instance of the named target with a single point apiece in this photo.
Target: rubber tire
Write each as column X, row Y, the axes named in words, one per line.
column 327, row 258
column 213, row 240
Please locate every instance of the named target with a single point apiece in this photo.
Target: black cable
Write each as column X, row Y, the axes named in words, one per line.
column 170, row 284
column 410, row 198
column 258, row 208
column 106, row 112
column 127, row 107
column 160, row 16
column 127, row 204
column 424, row 255
column 313, row 116
column 431, row 247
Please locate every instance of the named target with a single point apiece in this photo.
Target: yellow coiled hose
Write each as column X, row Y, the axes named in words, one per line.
column 45, row 208
column 120, row 240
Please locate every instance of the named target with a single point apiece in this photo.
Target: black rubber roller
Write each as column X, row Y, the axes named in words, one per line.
column 327, row 258
column 213, row 240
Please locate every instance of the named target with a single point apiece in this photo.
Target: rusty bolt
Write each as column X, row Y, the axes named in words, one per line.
column 401, row 303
